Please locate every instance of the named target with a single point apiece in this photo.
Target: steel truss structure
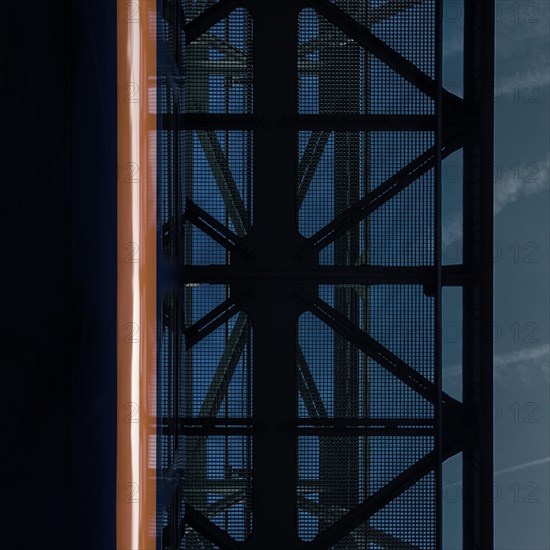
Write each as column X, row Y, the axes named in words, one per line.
column 300, row 399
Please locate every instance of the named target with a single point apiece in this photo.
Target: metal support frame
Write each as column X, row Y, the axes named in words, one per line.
column 477, row 351
column 277, row 272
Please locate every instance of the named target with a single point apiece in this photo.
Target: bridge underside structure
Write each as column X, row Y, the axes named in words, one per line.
column 300, row 150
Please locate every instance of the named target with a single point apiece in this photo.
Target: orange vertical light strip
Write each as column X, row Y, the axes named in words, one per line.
column 136, row 278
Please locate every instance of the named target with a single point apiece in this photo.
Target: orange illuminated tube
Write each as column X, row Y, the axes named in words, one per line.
column 136, row 279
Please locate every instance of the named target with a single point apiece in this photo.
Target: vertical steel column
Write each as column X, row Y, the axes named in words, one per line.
column 478, row 259
column 273, row 311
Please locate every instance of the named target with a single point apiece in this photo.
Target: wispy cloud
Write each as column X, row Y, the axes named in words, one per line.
column 516, row 468
column 453, row 44
column 521, row 363
column 451, row 230
column 529, row 80
column 512, row 185
column 532, row 178
column 523, row 466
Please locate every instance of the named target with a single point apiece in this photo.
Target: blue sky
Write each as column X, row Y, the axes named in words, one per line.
column 521, row 339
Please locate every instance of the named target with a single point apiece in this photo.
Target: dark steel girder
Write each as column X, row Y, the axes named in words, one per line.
column 362, row 275
column 357, row 32
column 213, row 228
column 236, row 68
column 477, row 350
column 209, row 141
column 193, row 518
column 390, row 4
column 220, row 505
column 319, row 123
column 209, row 17
column 313, row 421
column 371, row 422
column 366, row 39
column 387, row 541
column 331, row 431
column 308, row 163
column 378, row 500
column 210, row 322
column 376, row 198
column 200, row 523
column 224, row 179
column 210, row 406
column 308, row 388
column 226, row 368
column 376, row 15
column 384, row 357
column 231, row 52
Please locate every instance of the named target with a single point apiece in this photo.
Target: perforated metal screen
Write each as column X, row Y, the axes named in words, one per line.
column 364, row 404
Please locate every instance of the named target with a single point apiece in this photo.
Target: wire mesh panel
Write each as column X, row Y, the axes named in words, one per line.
column 328, row 57
column 348, row 345
column 193, row 8
column 359, row 11
column 218, row 67
column 410, row 32
column 401, row 525
column 219, row 480
column 411, row 516
column 401, row 319
column 221, row 371
column 219, row 176
column 194, row 540
column 210, row 380
column 337, row 169
column 337, row 494
column 366, row 388
column 362, row 354
column 204, row 349
column 379, row 460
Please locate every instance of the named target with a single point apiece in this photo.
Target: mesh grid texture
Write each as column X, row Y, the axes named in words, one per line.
column 336, row 75
column 219, row 175
column 340, row 168
column 350, row 469
column 193, row 8
column 222, row 491
column 213, row 168
column 218, row 67
column 349, row 383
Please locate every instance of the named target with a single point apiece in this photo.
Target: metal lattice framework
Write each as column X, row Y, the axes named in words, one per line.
column 300, row 400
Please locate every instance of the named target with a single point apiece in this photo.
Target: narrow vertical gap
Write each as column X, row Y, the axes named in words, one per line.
column 437, row 260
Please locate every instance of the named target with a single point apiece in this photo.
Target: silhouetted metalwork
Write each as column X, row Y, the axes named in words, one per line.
column 300, row 397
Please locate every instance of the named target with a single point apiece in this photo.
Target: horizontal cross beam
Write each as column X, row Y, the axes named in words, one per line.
column 331, row 431
column 320, row 274
column 335, row 122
